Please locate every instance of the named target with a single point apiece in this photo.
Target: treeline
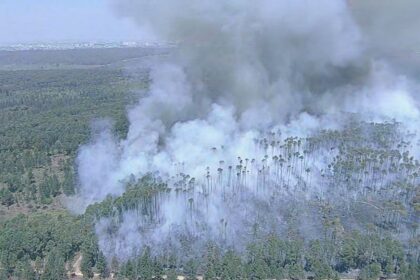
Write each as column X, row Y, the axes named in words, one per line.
column 44, row 246
column 368, row 256
column 76, row 56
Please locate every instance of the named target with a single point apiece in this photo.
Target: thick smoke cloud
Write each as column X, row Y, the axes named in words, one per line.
column 241, row 69
column 390, row 29
column 253, row 55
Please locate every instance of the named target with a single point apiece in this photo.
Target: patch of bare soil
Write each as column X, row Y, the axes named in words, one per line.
column 75, row 272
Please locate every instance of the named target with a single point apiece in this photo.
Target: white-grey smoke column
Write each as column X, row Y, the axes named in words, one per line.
column 242, row 68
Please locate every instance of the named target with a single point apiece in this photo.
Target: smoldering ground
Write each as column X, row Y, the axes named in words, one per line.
column 242, row 72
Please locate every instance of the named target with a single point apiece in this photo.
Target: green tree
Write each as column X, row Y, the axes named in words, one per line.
column 6, row 197
column 232, row 267
column 54, row 266
column 212, row 268
column 295, row 271
column 370, row 272
column 410, row 271
column 190, row 269
column 145, row 265
column 101, row 265
column 24, row 271
column 256, row 267
column 316, row 260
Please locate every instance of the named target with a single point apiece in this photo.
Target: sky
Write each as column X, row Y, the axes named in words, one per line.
column 38, row 21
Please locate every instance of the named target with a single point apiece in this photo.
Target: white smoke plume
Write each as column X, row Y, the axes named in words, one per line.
column 243, row 70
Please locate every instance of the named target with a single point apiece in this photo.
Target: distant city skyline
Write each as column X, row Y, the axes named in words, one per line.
column 52, row 21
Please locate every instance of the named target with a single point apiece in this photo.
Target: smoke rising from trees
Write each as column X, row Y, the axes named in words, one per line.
column 246, row 76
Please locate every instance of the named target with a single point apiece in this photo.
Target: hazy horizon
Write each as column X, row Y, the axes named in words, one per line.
column 49, row 21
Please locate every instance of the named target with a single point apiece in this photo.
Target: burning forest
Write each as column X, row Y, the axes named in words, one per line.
column 269, row 121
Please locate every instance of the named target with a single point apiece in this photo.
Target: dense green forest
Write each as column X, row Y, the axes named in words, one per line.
column 45, row 115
